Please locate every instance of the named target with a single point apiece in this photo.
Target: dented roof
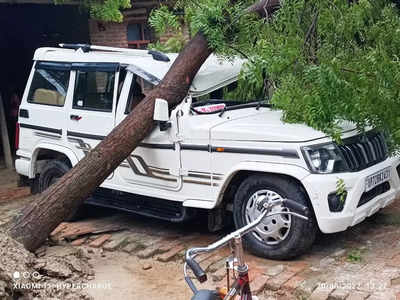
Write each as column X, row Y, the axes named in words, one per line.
column 213, row 74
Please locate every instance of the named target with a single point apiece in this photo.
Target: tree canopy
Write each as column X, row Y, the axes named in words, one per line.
column 321, row 62
column 105, row 10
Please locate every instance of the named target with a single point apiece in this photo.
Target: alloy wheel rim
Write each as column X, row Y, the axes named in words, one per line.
column 272, row 230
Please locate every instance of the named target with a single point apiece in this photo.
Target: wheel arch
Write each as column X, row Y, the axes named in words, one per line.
column 241, row 172
column 45, row 152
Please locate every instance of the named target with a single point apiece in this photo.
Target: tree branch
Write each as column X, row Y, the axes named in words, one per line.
column 264, row 8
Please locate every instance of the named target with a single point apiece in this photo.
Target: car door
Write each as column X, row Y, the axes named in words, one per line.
column 42, row 109
column 91, row 112
column 154, row 166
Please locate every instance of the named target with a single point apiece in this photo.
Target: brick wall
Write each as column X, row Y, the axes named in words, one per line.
column 115, row 34
column 108, row 34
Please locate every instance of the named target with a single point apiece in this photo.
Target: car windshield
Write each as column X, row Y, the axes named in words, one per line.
column 223, row 99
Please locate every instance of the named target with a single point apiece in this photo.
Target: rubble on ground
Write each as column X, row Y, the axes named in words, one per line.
column 59, row 272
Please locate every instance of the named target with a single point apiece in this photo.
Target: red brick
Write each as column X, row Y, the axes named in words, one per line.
column 339, row 294
column 387, row 253
column 297, row 267
column 118, row 240
column 7, row 194
column 320, row 294
column 258, row 284
column 212, row 260
column 293, row 283
column 167, row 256
column 76, row 229
column 356, row 295
column 219, row 275
column 100, row 240
column 79, row 242
column 108, row 34
column 394, row 262
column 166, row 245
column 150, row 251
column 276, row 282
column 59, row 228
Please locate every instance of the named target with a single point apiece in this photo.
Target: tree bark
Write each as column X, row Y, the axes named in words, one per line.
column 35, row 222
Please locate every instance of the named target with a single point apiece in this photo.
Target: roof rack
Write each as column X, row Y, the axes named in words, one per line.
column 157, row 55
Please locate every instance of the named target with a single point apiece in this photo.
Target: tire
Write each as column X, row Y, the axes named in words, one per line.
column 277, row 237
column 51, row 172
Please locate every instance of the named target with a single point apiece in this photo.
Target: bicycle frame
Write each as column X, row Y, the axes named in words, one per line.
column 241, row 284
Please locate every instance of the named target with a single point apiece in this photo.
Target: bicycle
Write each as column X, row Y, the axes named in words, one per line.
column 236, row 262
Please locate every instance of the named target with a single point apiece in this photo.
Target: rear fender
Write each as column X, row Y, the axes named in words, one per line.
column 63, row 150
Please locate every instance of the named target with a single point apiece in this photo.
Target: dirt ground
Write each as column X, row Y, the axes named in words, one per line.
column 143, row 258
column 128, row 279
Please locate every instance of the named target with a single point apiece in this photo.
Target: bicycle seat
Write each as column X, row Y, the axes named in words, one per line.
column 205, row 295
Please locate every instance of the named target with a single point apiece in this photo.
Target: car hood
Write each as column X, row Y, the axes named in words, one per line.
column 265, row 125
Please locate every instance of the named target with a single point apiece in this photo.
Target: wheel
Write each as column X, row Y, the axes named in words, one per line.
column 276, row 237
column 51, row 173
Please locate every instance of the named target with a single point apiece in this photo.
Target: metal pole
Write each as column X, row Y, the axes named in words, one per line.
column 4, row 137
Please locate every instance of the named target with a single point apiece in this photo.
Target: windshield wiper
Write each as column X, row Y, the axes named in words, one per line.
column 221, row 112
column 257, row 105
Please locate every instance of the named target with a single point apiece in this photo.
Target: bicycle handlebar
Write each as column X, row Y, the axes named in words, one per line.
column 193, row 252
column 197, row 270
column 293, row 205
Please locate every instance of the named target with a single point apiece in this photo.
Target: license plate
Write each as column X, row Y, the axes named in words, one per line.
column 376, row 179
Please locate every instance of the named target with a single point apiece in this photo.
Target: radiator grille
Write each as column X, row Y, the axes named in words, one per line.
column 363, row 151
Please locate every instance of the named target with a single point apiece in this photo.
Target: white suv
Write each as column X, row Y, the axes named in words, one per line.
column 221, row 156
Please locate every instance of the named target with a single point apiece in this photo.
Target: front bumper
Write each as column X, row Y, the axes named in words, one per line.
column 319, row 186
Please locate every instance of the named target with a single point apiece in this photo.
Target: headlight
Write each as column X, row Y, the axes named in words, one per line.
column 324, row 159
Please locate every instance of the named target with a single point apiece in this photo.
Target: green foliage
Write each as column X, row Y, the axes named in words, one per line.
column 105, row 10
column 221, row 22
column 354, row 256
column 333, row 61
column 341, row 190
column 163, row 20
column 109, row 10
column 321, row 62
column 173, row 45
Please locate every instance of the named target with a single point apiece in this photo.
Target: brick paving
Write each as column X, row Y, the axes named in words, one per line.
column 327, row 272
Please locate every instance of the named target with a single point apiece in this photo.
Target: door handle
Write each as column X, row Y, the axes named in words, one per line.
column 75, row 117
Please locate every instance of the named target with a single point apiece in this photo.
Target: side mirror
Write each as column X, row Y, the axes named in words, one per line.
column 161, row 114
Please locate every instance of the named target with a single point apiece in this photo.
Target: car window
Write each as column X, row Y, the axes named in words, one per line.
column 94, row 90
column 49, row 87
column 138, row 91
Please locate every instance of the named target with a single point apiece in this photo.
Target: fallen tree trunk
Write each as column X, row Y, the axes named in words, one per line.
column 34, row 223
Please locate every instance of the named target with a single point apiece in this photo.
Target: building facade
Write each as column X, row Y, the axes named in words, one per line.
column 133, row 32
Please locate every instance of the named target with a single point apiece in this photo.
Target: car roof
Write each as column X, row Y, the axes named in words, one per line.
column 213, row 74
